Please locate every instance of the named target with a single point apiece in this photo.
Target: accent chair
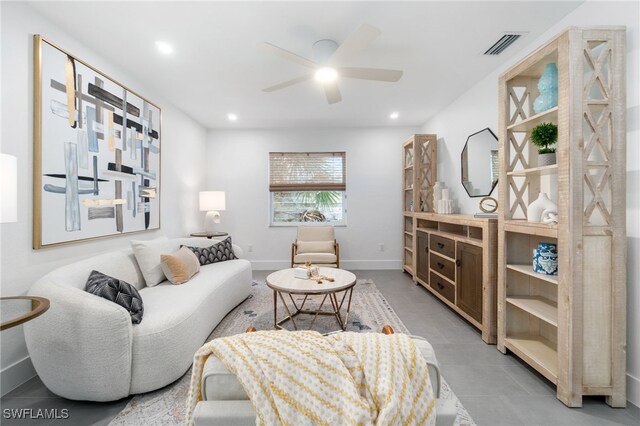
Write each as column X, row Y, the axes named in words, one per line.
column 316, row 244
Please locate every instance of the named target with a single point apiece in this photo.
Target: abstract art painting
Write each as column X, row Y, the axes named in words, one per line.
column 96, row 152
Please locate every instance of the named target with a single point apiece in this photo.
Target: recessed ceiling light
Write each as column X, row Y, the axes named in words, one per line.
column 326, row 74
column 394, row 115
column 232, row 117
column 164, row 47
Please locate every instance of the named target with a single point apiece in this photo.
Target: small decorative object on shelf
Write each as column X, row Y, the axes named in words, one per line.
column 442, row 201
column 545, row 136
column 545, row 259
column 550, row 216
column 542, row 204
column 488, row 205
column 548, row 87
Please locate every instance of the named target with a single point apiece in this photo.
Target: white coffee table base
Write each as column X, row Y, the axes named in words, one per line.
column 333, row 298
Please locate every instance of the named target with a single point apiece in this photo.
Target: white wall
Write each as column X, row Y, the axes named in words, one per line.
column 238, row 164
column 183, row 171
column 478, row 108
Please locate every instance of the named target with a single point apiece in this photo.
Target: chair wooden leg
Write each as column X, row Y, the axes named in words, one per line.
column 387, row 329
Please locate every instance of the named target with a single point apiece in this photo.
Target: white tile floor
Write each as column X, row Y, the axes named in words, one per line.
column 496, row 389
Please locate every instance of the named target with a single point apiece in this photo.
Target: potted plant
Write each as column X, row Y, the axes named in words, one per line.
column 545, row 136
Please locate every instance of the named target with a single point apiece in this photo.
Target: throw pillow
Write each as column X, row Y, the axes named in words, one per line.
column 315, row 247
column 180, row 266
column 218, row 252
column 147, row 253
column 117, row 291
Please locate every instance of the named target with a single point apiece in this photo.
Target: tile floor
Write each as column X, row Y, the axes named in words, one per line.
column 496, row 389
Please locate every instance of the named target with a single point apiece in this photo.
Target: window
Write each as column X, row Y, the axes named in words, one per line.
column 307, row 187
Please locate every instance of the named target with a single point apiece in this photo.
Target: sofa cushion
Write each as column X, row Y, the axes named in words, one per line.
column 180, row 266
column 117, row 291
column 219, row 384
column 319, row 258
column 218, row 252
column 147, row 254
column 315, row 247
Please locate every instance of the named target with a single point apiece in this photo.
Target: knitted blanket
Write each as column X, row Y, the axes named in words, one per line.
column 304, row 378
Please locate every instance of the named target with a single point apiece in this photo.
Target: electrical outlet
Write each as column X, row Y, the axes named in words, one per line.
column 381, row 247
column 250, row 248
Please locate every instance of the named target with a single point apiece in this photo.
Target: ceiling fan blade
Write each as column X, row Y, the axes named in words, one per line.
column 288, row 83
column 333, row 92
column 355, row 43
column 290, row 56
column 370, row 74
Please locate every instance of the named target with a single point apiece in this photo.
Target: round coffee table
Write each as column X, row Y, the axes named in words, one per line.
column 284, row 282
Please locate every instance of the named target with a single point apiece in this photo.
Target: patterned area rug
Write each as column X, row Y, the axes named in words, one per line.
column 370, row 311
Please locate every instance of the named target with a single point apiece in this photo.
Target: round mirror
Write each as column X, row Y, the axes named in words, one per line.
column 480, row 163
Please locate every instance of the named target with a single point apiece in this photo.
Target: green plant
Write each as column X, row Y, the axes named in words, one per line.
column 544, row 136
column 321, row 199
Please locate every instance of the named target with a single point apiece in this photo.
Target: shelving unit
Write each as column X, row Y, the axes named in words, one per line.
column 419, row 173
column 570, row 327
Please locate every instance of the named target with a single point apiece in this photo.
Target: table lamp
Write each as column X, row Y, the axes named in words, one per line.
column 211, row 202
column 9, row 185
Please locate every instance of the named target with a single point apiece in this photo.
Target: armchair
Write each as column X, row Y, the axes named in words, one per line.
column 316, row 244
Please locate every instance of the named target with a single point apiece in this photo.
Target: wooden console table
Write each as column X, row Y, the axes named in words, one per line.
column 456, row 260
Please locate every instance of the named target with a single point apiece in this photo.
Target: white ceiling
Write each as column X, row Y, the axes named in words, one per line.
column 216, row 68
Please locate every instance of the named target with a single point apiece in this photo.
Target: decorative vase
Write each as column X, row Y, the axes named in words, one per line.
column 545, row 259
column 547, row 159
column 548, row 87
column 542, row 203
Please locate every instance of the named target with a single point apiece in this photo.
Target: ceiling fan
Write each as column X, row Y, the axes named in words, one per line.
column 328, row 57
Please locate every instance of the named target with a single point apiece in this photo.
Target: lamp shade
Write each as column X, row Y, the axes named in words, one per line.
column 9, row 188
column 212, row 200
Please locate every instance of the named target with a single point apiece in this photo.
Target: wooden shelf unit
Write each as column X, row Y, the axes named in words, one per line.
column 455, row 259
column 571, row 327
column 419, row 173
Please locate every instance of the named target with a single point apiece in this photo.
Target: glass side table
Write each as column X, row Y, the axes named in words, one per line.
column 20, row 309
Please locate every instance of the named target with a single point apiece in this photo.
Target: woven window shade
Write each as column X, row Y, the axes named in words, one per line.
column 307, row 171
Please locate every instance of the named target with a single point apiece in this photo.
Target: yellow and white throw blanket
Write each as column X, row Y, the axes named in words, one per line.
column 304, row 378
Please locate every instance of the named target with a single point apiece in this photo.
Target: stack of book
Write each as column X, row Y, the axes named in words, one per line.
column 305, row 272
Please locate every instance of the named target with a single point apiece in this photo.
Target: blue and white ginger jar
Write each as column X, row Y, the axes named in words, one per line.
column 545, row 259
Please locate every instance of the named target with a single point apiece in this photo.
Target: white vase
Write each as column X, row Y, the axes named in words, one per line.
column 534, row 212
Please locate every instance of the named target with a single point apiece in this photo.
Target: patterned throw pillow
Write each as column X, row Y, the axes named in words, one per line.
column 218, row 252
column 117, row 291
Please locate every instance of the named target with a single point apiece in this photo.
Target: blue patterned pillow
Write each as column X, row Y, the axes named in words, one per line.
column 117, row 291
column 218, row 252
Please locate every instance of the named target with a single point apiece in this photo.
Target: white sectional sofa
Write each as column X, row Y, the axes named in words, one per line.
column 86, row 347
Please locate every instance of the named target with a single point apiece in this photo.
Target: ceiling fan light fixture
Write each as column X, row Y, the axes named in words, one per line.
column 164, row 47
column 326, row 74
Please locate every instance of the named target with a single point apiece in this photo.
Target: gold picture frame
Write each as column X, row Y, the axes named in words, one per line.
column 97, row 152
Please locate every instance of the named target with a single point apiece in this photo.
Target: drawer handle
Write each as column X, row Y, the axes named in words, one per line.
column 458, row 262
column 440, row 286
column 440, row 265
column 440, row 245
column 426, row 249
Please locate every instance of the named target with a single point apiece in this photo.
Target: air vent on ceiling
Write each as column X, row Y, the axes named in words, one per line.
column 504, row 42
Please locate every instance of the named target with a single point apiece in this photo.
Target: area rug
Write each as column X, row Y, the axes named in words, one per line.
column 370, row 311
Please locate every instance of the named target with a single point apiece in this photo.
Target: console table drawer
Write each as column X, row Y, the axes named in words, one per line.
column 443, row 287
column 443, row 266
column 443, row 245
